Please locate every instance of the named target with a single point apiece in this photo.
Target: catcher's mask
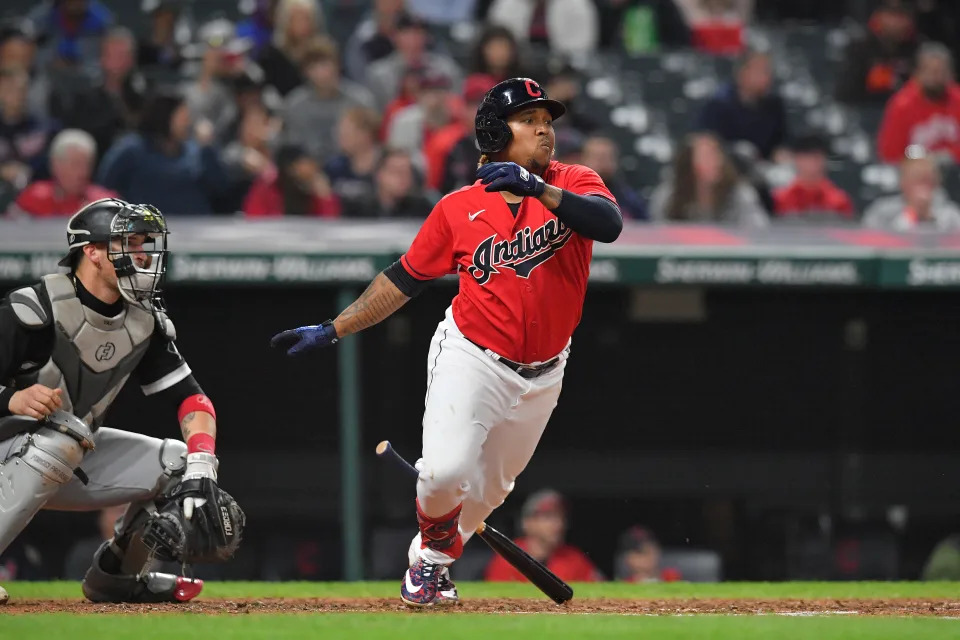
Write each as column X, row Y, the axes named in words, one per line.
column 138, row 251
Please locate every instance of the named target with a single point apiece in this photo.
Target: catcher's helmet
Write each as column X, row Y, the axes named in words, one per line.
column 493, row 133
column 140, row 268
column 90, row 225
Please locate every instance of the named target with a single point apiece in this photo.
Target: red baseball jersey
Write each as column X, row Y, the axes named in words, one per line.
column 523, row 278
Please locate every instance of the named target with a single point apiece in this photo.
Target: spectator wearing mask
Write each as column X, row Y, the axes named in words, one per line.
column 544, row 524
column 452, row 154
column 746, row 110
column 311, row 112
column 568, row 27
column 811, row 191
column 638, row 557
column 496, row 54
column 396, row 194
column 249, row 155
column 72, row 156
column 160, row 48
column 71, row 30
column 109, row 104
column 415, row 126
column 351, row 171
column 258, row 28
column 410, row 42
column 878, row 64
column 297, row 188
column 706, row 188
column 600, row 153
column 922, row 203
column 926, row 112
column 209, row 97
column 23, row 136
column 297, row 24
column 372, row 40
column 162, row 165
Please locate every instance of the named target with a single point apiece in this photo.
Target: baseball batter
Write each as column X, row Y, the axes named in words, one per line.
column 67, row 347
column 521, row 240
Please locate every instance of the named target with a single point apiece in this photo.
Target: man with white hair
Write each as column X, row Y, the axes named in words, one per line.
column 72, row 154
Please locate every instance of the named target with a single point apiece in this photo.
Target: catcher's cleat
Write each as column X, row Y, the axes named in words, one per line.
column 101, row 586
column 421, row 584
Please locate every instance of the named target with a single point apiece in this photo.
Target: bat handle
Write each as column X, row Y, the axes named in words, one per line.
column 386, row 450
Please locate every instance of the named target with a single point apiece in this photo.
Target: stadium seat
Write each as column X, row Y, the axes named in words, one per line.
column 693, row 565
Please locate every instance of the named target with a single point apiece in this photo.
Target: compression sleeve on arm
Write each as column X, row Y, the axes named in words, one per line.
column 593, row 217
column 175, row 395
column 402, row 280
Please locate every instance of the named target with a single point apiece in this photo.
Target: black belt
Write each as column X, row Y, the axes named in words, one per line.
column 528, row 371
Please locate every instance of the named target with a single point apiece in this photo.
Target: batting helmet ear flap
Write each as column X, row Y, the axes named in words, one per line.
column 493, row 132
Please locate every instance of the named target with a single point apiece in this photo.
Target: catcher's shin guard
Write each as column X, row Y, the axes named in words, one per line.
column 102, row 586
column 35, row 473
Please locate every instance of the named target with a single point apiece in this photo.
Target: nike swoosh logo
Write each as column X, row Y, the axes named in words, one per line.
column 474, row 215
column 410, row 587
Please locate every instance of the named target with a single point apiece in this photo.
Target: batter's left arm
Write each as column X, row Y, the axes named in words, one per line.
column 593, row 217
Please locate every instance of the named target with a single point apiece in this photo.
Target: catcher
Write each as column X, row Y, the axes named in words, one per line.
column 67, row 347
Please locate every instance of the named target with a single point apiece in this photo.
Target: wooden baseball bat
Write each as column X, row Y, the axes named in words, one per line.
column 538, row 574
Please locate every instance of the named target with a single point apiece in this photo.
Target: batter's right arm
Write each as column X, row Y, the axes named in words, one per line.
column 375, row 304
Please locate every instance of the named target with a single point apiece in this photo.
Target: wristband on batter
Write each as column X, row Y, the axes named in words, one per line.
column 198, row 442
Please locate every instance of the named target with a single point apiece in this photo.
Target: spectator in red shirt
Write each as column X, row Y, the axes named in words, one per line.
column 297, row 188
column 71, row 162
column 811, row 191
column 926, row 112
column 544, row 529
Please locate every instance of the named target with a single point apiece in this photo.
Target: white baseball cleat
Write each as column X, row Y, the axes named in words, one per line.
column 4, row 596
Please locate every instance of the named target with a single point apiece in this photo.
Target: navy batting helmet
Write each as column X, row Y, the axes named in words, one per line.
column 509, row 96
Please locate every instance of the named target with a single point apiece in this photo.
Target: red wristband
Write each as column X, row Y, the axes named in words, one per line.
column 201, row 442
column 196, row 402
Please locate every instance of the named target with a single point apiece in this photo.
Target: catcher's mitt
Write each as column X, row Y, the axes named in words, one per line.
column 212, row 534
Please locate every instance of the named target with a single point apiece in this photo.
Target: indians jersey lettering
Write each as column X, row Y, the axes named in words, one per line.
column 522, row 279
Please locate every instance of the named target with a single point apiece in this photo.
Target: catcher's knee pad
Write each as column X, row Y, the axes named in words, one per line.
column 46, row 460
column 102, row 586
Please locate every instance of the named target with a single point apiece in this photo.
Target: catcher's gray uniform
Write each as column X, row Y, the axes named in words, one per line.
column 59, row 335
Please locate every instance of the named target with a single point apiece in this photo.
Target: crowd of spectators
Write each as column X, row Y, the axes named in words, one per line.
column 271, row 116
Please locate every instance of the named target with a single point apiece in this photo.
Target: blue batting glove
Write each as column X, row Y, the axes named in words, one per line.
column 509, row 176
column 303, row 339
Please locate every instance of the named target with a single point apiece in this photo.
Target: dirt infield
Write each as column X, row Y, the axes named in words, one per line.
column 898, row 607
